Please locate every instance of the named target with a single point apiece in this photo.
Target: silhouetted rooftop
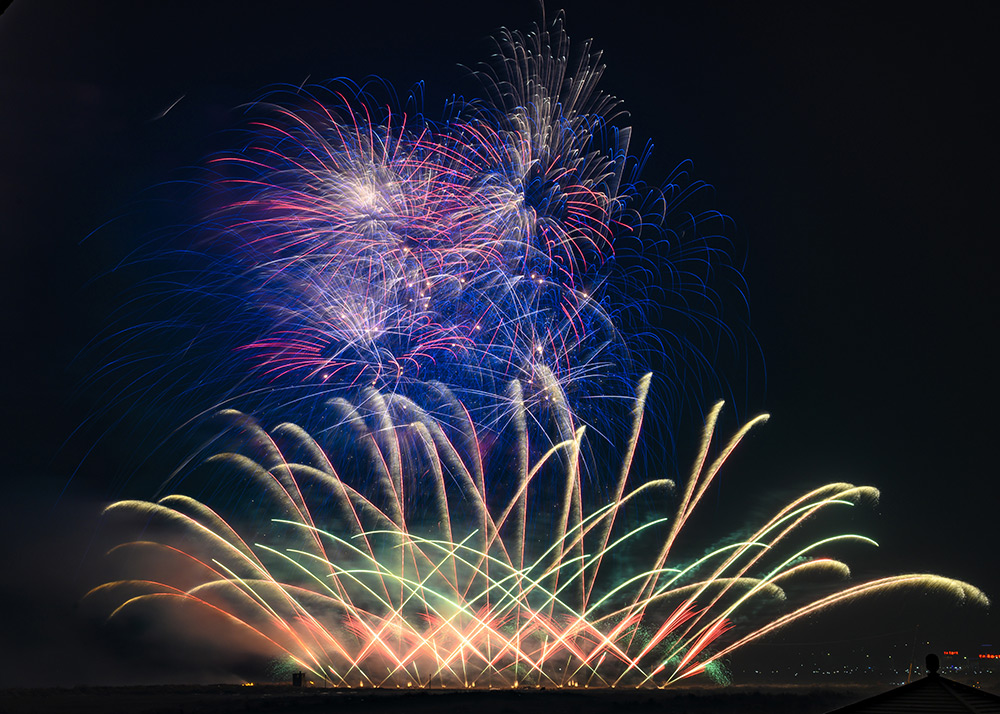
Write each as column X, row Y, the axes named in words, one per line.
column 933, row 694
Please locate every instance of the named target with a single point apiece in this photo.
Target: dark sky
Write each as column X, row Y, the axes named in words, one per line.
column 849, row 143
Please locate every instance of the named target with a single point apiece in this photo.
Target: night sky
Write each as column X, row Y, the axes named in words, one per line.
column 849, row 144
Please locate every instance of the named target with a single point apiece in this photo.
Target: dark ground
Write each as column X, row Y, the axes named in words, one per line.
column 280, row 699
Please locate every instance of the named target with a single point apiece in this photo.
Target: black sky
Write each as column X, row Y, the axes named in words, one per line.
column 852, row 145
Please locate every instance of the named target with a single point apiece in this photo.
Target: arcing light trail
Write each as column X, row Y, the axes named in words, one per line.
column 461, row 304
column 392, row 596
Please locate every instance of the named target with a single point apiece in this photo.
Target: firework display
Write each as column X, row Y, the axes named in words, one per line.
column 387, row 596
column 466, row 303
column 349, row 242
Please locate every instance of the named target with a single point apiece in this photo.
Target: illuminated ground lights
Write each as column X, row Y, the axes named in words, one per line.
column 378, row 593
column 458, row 308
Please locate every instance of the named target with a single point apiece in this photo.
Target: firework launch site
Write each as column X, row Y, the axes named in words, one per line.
column 282, row 699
